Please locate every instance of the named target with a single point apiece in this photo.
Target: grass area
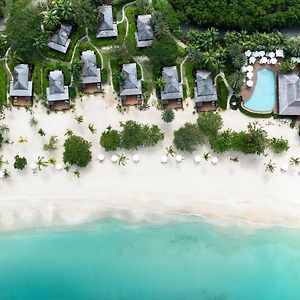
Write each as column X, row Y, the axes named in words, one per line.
column 3, row 85
column 189, row 70
column 222, row 92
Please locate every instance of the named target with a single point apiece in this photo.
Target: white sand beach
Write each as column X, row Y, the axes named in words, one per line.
column 228, row 193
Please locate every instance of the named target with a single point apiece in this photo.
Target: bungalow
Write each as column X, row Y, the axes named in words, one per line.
column 57, row 92
column 21, row 86
column 144, row 35
column 106, row 26
column 131, row 87
column 172, row 93
column 60, row 39
column 90, row 74
column 289, row 94
column 205, row 92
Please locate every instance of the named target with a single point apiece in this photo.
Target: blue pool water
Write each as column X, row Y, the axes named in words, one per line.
column 176, row 261
column 263, row 98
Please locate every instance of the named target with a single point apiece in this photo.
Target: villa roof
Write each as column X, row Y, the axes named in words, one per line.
column 90, row 73
column 106, row 25
column 21, row 86
column 205, row 90
column 131, row 85
column 289, row 94
column 172, row 89
column 57, row 91
column 60, row 39
column 144, row 35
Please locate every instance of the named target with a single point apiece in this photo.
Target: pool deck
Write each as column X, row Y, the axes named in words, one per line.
column 246, row 92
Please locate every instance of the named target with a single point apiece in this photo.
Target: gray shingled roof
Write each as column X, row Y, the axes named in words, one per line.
column 57, row 91
column 90, row 73
column 106, row 25
column 289, row 94
column 205, row 90
column 131, row 85
column 173, row 89
column 144, row 35
column 20, row 86
column 60, row 39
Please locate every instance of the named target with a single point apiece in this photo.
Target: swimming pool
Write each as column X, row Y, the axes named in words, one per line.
column 263, row 98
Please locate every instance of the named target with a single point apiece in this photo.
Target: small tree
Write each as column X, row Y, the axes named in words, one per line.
column 22, row 140
column 33, row 122
column 270, row 166
column 170, row 151
column 92, row 129
column 295, row 161
column 110, row 139
column 77, row 151
column 52, row 144
column 75, row 70
column 122, row 159
column 41, row 132
column 221, row 142
column 279, row 145
column 41, row 162
column 209, row 123
column 132, row 135
column 168, row 115
column 79, row 119
column 20, row 162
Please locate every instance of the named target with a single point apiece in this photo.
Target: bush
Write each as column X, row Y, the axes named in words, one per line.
column 104, row 76
column 110, row 139
column 168, row 115
column 209, row 123
column 221, row 142
column 20, row 162
column 188, row 137
column 279, row 145
column 77, row 151
column 222, row 93
column 152, row 135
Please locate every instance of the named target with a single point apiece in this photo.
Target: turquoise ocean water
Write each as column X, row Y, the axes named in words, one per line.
column 112, row 260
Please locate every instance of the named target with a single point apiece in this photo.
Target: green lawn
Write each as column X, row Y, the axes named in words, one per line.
column 3, row 85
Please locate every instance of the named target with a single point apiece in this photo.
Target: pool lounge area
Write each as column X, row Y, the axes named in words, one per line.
column 263, row 98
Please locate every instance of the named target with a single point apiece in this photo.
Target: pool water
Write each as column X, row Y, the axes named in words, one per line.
column 263, row 98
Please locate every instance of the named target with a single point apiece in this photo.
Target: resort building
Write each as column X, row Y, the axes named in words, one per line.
column 172, row 93
column 144, row 35
column 289, row 94
column 60, row 39
column 131, row 87
column 57, row 92
column 90, row 74
column 106, row 26
column 205, row 91
column 21, row 86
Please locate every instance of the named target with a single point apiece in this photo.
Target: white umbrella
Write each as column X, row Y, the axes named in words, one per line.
column 248, row 53
column 163, row 159
column 249, row 83
column 33, row 166
column 262, row 53
column 114, row 158
column 263, row 60
column 244, row 69
column 100, row 158
column 58, row 167
column 273, row 61
column 252, row 60
column 294, row 59
column 272, row 54
column 1, row 174
column 279, row 53
column 136, row 158
column 197, row 159
column 249, row 68
column 249, row 75
column 214, row 160
column 179, row 158
column 255, row 54
column 284, row 168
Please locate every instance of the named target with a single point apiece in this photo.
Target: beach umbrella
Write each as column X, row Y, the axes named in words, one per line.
column 244, row 69
column 197, row 159
column 255, row 54
column 163, row 159
column 179, row 158
column 284, row 168
column 58, row 167
column 279, row 53
column 214, row 160
column 249, row 75
column 249, row 68
column 249, row 83
column 100, row 158
column 33, row 166
column 1, row 174
column 252, row 60
column 136, row 158
column 248, row 53
column 114, row 158
column 273, row 61
column 262, row 53
column 271, row 54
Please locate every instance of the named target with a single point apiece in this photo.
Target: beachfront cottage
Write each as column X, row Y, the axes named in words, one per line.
column 144, row 35
column 205, row 91
column 60, row 39
column 90, row 74
column 106, row 25
column 172, row 93
column 131, row 87
column 20, row 89
column 289, row 94
column 57, row 92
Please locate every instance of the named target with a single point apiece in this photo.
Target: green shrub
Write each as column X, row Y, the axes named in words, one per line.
column 104, row 76
column 3, row 87
column 20, row 162
column 279, row 145
column 222, row 93
column 221, row 142
column 168, row 115
column 110, row 139
column 209, row 123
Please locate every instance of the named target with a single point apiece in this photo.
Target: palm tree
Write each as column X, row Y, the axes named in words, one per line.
column 79, row 119
column 206, row 156
column 66, row 10
column 295, row 46
column 41, row 162
column 41, row 132
column 52, row 161
column 196, row 55
column 168, row 115
column 6, row 173
column 51, row 19
column 77, row 173
column 4, row 129
column 69, row 132
column 295, row 161
column 2, row 161
column 22, row 140
column 170, row 151
column 159, row 24
column 92, row 129
column 33, row 122
column 160, row 82
column 122, row 159
column 270, row 166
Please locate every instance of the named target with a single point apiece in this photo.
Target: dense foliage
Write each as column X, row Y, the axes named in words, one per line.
column 279, row 145
column 110, row 139
column 168, row 115
column 20, row 162
column 77, row 151
column 240, row 14
column 209, row 123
